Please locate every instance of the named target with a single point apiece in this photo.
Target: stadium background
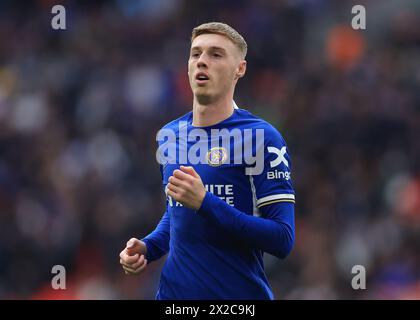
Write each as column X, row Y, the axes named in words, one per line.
column 79, row 110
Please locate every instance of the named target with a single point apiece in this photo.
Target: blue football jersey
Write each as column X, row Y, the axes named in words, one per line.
column 244, row 162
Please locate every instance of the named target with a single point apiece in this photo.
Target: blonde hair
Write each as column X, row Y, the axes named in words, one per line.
column 224, row 30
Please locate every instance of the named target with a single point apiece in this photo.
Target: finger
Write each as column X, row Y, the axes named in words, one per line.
column 133, row 246
column 177, row 182
column 181, row 175
column 134, row 265
column 133, row 242
column 174, row 195
column 132, row 268
column 124, row 255
column 130, row 259
column 190, row 170
column 123, row 264
column 141, row 268
column 174, row 188
column 137, row 270
column 128, row 270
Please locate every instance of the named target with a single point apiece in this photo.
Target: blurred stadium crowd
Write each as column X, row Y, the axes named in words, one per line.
column 80, row 108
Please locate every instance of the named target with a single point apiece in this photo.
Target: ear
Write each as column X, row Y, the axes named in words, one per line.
column 240, row 72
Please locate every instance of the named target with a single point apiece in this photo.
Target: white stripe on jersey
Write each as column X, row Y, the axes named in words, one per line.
column 282, row 196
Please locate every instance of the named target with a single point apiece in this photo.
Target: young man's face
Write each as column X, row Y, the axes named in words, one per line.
column 214, row 66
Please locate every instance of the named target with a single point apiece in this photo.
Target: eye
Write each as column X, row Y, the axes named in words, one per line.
column 195, row 55
column 217, row 55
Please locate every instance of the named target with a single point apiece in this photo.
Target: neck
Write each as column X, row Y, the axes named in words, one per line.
column 210, row 114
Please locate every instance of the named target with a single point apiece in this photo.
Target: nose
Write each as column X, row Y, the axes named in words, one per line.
column 202, row 61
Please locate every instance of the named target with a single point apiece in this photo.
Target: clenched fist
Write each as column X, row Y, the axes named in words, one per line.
column 186, row 187
column 133, row 257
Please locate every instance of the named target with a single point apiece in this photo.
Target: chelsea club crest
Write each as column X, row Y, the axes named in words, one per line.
column 216, row 156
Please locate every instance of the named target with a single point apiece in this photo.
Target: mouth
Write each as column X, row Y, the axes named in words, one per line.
column 201, row 78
